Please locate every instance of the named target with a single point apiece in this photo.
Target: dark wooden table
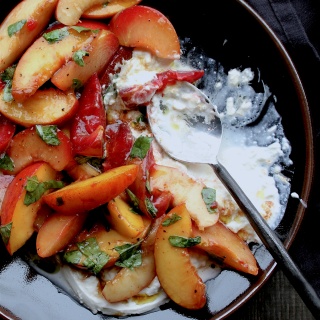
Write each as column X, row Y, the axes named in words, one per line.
column 277, row 300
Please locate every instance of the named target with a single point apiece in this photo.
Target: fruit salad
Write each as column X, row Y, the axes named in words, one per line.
column 85, row 182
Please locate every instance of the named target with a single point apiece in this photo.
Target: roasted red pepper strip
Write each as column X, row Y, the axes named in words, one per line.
column 7, row 130
column 88, row 128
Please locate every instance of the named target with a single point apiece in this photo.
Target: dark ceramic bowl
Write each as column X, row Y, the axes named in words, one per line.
column 233, row 34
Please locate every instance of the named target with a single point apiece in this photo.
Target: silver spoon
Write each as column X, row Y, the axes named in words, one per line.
column 196, row 137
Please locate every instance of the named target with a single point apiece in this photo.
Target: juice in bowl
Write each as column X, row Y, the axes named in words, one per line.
column 89, row 192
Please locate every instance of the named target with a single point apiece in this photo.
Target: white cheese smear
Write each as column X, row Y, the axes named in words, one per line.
column 254, row 155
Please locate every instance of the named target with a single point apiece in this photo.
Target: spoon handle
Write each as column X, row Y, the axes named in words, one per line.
column 271, row 241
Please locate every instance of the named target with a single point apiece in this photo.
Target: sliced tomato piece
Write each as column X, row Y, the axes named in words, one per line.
column 88, row 128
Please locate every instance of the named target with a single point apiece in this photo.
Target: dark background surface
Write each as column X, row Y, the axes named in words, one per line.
column 297, row 25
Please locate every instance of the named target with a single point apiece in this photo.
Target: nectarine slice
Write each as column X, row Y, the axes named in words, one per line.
column 69, row 12
column 88, row 194
column 33, row 15
column 122, row 219
column 14, row 211
column 48, row 106
column 57, row 232
column 147, row 28
column 177, row 276
column 129, row 282
column 101, row 11
column 100, row 50
column 27, row 147
column 43, row 58
column 184, row 189
column 222, row 243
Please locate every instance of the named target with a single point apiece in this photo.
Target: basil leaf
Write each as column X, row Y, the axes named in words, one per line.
column 7, row 76
column 81, row 29
column 16, row 27
column 133, row 198
column 76, row 84
column 5, row 232
column 130, row 256
column 78, row 57
column 48, row 134
column 35, row 189
column 6, row 162
column 151, row 208
column 93, row 161
column 209, row 198
column 140, row 147
column 183, row 242
column 56, row 35
column 89, row 255
column 169, row 221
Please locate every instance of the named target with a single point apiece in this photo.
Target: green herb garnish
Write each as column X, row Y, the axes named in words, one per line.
column 140, row 147
column 6, row 76
column 5, row 232
column 183, row 242
column 35, row 189
column 56, row 35
column 94, row 258
column 6, row 162
column 209, row 198
column 16, row 27
column 130, row 255
column 173, row 219
column 78, row 57
column 48, row 134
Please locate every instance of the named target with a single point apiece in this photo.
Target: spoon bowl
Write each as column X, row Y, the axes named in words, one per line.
column 188, row 128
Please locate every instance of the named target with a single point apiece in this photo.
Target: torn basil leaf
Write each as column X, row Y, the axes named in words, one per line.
column 6, row 162
column 76, row 84
column 35, row 189
column 16, row 27
column 89, row 255
column 78, row 57
column 183, row 242
column 209, row 198
column 151, row 208
column 130, row 255
column 6, row 76
column 48, row 134
column 5, row 232
column 173, row 219
column 56, row 35
column 140, row 147
column 133, row 198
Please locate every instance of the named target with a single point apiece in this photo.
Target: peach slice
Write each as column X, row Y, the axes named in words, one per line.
column 88, row 194
column 146, row 28
column 122, row 219
column 42, row 59
column 37, row 14
column 101, row 11
column 100, row 50
column 14, row 210
column 48, row 106
column 129, row 282
column 184, row 190
column 57, row 232
column 222, row 243
column 69, row 12
column 27, row 147
column 176, row 273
